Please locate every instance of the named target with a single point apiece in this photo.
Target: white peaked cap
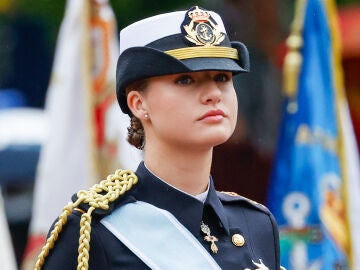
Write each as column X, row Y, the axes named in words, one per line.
column 153, row 28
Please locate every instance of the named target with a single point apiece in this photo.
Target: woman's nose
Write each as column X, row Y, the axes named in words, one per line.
column 211, row 93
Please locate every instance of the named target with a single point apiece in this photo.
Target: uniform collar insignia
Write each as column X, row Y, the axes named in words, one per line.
column 200, row 28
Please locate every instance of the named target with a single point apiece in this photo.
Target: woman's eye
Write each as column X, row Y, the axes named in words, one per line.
column 184, row 80
column 222, row 77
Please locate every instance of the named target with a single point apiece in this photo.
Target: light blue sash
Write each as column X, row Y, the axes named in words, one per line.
column 158, row 238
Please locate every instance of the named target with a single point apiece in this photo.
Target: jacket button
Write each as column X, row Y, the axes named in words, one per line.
column 238, row 240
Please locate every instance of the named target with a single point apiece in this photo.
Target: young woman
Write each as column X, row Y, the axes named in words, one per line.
column 174, row 79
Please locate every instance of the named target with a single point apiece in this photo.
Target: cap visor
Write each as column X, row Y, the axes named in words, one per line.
column 221, row 64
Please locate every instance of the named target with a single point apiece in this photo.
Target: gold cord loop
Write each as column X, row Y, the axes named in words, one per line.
column 98, row 196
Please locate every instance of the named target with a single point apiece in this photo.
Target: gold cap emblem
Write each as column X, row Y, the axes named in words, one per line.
column 202, row 30
column 238, row 240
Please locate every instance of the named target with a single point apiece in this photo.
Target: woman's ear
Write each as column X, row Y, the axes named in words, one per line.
column 136, row 104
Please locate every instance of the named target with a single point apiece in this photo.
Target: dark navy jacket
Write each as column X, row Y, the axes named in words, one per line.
column 225, row 214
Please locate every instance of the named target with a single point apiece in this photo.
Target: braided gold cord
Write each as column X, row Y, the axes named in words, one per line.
column 84, row 240
column 53, row 235
column 98, row 196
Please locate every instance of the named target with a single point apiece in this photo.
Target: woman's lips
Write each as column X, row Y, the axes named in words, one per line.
column 213, row 116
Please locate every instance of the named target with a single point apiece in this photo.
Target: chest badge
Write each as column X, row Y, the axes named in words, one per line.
column 201, row 29
column 208, row 237
column 260, row 266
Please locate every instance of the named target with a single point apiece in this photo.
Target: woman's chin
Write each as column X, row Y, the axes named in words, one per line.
column 216, row 139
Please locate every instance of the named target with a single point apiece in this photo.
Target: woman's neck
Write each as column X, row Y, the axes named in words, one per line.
column 188, row 171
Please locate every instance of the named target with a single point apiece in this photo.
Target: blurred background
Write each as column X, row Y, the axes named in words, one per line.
column 28, row 37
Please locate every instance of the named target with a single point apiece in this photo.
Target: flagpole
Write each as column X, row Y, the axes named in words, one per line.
column 86, row 71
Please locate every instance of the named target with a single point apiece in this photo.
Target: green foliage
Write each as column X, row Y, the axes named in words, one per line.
column 347, row 2
column 49, row 13
column 45, row 13
column 128, row 11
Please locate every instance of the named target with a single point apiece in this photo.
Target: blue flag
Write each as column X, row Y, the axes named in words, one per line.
column 306, row 192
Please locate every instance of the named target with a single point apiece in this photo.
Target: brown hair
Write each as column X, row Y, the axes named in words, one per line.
column 136, row 133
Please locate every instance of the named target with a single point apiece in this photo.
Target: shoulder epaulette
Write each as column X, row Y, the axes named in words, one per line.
column 98, row 196
column 227, row 196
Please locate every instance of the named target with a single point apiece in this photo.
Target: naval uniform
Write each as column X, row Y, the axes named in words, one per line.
column 246, row 231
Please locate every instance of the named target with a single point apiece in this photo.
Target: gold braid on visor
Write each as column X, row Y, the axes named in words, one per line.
column 204, row 51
